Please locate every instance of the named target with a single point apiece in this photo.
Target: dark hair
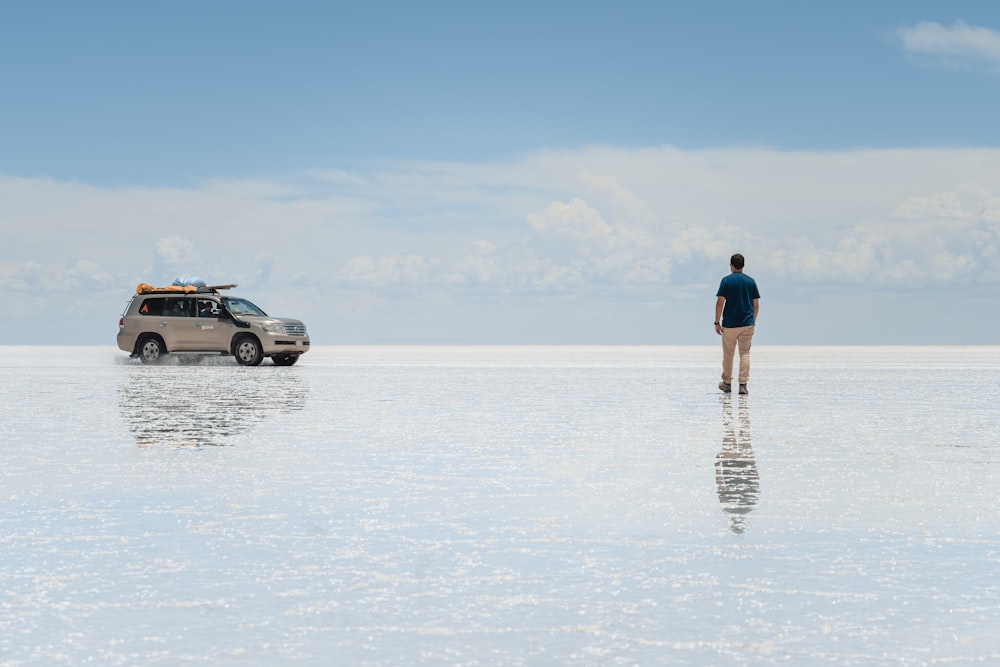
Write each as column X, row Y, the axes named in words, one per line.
column 737, row 261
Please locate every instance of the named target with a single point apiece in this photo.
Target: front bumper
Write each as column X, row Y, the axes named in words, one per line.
column 284, row 344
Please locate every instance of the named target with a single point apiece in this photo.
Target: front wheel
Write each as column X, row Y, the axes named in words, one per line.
column 248, row 351
column 284, row 359
column 151, row 350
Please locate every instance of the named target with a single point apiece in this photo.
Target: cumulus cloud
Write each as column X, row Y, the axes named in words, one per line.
column 264, row 267
column 574, row 218
column 32, row 276
column 960, row 45
column 938, row 206
column 175, row 256
column 388, row 271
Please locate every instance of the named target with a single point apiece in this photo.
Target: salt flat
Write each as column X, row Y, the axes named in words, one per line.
column 501, row 506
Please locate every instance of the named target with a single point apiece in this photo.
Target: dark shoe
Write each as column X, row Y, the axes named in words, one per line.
column 726, row 387
column 743, row 389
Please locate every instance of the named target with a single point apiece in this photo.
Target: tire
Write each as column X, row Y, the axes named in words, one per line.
column 284, row 359
column 248, row 351
column 151, row 349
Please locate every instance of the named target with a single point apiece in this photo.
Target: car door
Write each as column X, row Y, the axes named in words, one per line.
column 212, row 331
column 177, row 325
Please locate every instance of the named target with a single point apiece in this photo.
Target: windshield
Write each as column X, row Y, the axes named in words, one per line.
column 244, row 307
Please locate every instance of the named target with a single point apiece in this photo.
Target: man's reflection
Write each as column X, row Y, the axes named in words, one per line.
column 735, row 467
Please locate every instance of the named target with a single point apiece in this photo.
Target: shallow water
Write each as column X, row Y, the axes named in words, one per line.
column 491, row 505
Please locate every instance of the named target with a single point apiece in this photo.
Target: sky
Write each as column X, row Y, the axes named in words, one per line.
column 506, row 173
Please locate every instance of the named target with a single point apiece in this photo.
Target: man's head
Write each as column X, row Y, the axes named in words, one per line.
column 737, row 261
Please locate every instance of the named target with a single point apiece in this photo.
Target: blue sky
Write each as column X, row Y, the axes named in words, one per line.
column 455, row 172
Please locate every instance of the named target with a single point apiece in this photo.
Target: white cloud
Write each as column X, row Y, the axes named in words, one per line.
column 960, row 45
column 173, row 255
column 574, row 218
column 32, row 276
column 939, row 206
column 388, row 271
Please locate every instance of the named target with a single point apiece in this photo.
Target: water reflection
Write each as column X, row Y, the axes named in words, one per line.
column 191, row 405
column 735, row 467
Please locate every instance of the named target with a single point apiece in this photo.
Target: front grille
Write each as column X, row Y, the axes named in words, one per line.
column 295, row 329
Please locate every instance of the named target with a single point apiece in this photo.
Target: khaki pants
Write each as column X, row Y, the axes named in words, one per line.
column 731, row 338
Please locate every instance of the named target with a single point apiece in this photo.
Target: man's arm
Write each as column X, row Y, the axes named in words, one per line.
column 719, row 304
column 756, row 309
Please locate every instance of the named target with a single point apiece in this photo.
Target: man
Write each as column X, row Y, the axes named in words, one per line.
column 735, row 316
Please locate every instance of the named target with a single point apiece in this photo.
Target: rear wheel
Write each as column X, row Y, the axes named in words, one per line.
column 284, row 359
column 248, row 351
column 151, row 350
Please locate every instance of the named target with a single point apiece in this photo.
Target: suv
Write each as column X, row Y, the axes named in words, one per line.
column 201, row 320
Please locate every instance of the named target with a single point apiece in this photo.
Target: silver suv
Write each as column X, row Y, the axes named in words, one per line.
column 192, row 319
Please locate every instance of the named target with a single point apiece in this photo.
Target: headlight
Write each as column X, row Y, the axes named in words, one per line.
column 273, row 327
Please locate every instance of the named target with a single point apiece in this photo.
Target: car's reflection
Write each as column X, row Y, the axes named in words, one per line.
column 199, row 406
column 735, row 466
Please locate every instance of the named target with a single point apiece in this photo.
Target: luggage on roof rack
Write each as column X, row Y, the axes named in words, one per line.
column 146, row 288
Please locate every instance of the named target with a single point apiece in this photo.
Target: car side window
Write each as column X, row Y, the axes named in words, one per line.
column 152, row 307
column 207, row 308
column 177, row 307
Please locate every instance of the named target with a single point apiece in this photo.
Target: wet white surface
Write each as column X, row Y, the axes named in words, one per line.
column 480, row 506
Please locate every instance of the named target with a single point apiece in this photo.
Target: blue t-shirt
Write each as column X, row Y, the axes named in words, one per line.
column 739, row 290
